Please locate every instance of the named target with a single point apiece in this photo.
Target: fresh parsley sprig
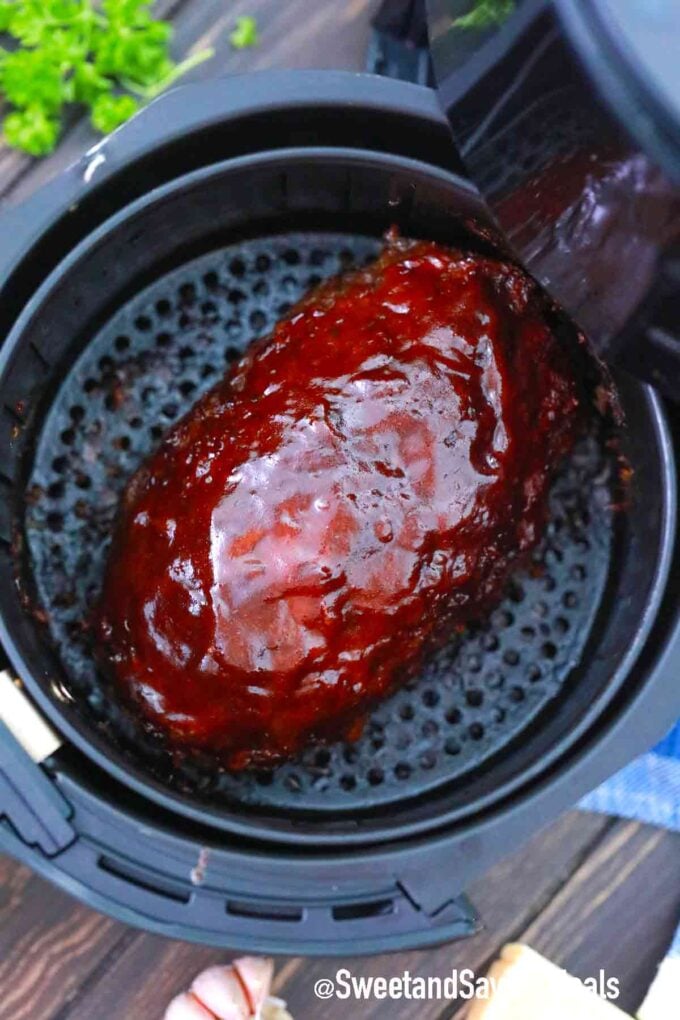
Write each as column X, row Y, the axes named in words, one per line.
column 110, row 56
column 486, row 13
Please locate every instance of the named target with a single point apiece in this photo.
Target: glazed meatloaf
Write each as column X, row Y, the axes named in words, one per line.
column 358, row 486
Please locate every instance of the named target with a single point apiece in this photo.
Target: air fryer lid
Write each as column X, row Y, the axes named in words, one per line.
column 567, row 116
column 166, row 289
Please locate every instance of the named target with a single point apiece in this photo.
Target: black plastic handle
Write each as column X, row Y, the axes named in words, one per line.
column 30, row 803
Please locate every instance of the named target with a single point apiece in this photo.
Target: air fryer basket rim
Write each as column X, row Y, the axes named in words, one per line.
column 665, row 444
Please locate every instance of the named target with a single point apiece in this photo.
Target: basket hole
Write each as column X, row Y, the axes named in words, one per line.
column 502, row 618
column 77, row 413
column 163, row 307
column 348, row 782
column 291, row 257
column 187, row 293
column 211, row 280
column 402, row 770
column 163, row 340
column 476, row 731
column 406, row 712
column 55, row 522
column 263, row 263
column 143, row 323
column 258, row 320
column 494, row 680
column 549, row 650
column 237, row 268
column 474, row 697
column 511, row 657
column 516, row 694
column 452, row 747
column 375, row 776
column 454, row 716
column 430, row 697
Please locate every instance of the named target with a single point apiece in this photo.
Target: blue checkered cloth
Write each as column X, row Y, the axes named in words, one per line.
column 648, row 790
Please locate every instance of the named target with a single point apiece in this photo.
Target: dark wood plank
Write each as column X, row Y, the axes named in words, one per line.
column 617, row 912
column 297, row 33
column 49, row 944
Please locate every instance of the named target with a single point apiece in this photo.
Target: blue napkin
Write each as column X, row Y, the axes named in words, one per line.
column 647, row 790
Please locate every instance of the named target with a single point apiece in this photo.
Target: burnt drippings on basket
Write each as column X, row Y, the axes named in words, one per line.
column 361, row 482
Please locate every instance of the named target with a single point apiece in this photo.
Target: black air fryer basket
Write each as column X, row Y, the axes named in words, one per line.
column 128, row 285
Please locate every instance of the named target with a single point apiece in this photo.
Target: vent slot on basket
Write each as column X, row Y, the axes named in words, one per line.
column 143, row 880
column 265, row 911
column 361, row 911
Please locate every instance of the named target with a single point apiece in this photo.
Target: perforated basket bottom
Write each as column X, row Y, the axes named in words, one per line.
column 142, row 371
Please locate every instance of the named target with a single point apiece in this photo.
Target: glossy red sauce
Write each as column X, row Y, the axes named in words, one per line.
column 358, row 486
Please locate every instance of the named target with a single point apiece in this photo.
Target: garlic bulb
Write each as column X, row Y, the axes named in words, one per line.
column 237, row 991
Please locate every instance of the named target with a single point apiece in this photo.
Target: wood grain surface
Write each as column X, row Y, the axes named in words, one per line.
column 589, row 892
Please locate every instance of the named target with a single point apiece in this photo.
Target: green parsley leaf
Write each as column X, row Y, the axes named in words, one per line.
column 32, row 78
column 31, row 130
column 109, row 112
column 89, row 52
column 245, row 33
column 486, row 13
column 6, row 13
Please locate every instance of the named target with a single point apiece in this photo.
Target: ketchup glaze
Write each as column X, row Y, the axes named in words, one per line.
column 361, row 483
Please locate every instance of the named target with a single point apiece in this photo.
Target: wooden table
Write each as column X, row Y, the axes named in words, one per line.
column 590, row 892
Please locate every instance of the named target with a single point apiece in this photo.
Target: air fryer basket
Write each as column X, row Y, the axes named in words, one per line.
column 119, row 341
